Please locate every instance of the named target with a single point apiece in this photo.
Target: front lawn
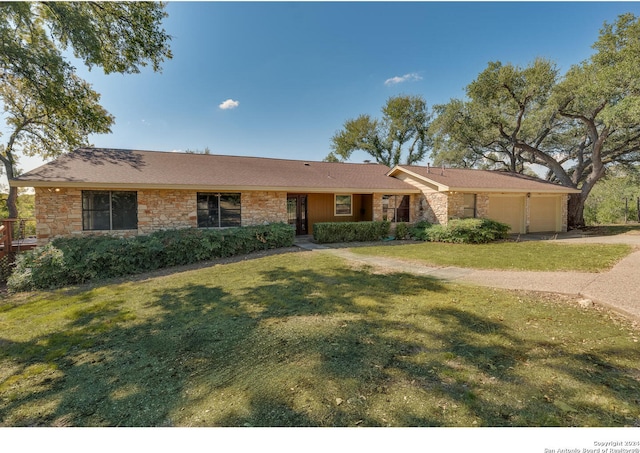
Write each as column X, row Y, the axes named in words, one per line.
column 525, row 256
column 304, row 339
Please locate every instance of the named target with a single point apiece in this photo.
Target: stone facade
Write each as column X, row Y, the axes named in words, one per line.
column 435, row 207
column 377, row 207
column 259, row 208
column 58, row 211
column 482, row 205
column 166, row 210
column 565, row 212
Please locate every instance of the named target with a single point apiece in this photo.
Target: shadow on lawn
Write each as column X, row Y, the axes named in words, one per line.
column 298, row 348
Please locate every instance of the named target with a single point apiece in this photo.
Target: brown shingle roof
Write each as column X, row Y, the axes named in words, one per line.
column 105, row 168
column 459, row 179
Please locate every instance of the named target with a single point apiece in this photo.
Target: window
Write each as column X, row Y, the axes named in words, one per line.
column 216, row 210
column 343, row 205
column 395, row 208
column 104, row 210
column 469, row 205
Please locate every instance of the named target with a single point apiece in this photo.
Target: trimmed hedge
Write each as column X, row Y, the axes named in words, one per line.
column 69, row 261
column 467, row 231
column 328, row 232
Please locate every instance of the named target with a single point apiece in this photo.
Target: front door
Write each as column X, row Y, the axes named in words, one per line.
column 297, row 213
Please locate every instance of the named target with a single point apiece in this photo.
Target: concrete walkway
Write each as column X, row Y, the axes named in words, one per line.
column 618, row 289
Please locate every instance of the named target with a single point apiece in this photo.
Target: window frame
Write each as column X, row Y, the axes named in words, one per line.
column 218, row 196
column 466, row 207
column 335, row 205
column 110, row 211
column 386, row 209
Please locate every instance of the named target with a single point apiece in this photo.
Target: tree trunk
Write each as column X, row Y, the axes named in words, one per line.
column 575, row 214
column 13, row 191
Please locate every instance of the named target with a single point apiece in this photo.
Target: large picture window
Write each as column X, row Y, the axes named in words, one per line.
column 395, row 208
column 105, row 210
column 217, row 210
column 343, row 205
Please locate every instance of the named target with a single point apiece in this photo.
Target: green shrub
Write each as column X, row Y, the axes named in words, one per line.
column 68, row 261
column 419, row 230
column 467, row 231
column 6, row 266
column 328, row 232
column 402, row 231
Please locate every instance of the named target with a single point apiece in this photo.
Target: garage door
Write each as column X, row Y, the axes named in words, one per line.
column 544, row 214
column 509, row 210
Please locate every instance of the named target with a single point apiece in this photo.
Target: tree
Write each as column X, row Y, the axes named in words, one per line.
column 574, row 126
column 403, row 130
column 47, row 130
column 614, row 197
column 48, row 109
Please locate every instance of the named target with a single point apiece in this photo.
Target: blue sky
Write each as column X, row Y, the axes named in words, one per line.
column 294, row 72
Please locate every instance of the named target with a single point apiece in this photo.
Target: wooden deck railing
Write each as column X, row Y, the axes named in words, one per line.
column 13, row 238
column 5, row 239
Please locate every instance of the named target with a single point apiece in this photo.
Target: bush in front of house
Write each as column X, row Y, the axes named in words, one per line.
column 419, row 230
column 328, row 232
column 69, row 261
column 6, row 266
column 462, row 231
column 402, row 231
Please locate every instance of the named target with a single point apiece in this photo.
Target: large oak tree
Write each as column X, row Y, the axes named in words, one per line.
column 48, row 109
column 573, row 126
column 400, row 136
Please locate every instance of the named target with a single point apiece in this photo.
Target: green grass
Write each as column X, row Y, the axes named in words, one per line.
column 612, row 230
column 526, row 256
column 304, row 339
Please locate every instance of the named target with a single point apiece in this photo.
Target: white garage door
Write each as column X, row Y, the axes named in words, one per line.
column 544, row 214
column 508, row 209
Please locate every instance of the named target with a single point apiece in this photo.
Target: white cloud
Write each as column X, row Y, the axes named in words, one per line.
column 229, row 104
column 413, row 76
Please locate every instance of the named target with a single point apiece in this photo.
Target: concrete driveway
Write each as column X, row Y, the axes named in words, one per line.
column 618, row 289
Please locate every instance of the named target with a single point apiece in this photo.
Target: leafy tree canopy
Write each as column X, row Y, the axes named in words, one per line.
column 400, row 136
column 615, row 198
column 48, row 109
column 573, row 125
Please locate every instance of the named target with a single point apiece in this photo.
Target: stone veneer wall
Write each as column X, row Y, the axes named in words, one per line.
column 377, row 207
column 435, row 207
column 482, row 205
column 456, row 205
column 564, row 202
column 58, row 211
column 259, row 208
column 166, row 210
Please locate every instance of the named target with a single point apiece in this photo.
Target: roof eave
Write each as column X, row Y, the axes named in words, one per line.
column 444, row 188
column 206, row 187
column 560, row 189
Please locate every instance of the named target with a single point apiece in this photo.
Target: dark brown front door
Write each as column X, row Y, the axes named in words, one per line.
column 297, row 213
